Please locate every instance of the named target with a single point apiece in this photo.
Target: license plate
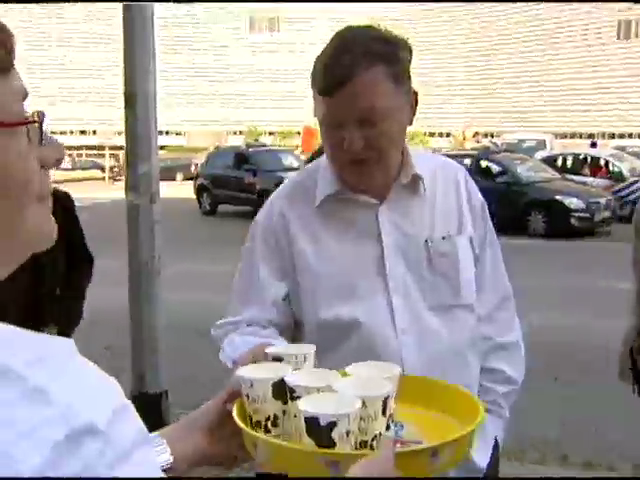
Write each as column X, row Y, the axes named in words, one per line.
column 602, row 215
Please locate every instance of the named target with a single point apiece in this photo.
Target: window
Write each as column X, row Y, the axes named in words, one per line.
column 627, row 29
column 218, row 160
column 275, row 160
column 264, row 25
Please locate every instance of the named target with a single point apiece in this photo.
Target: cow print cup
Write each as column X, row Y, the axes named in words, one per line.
column 386, row 370
column 330, row 420
column 300, row 384
column 264, row 393
column 376, row 395
column 298, row 355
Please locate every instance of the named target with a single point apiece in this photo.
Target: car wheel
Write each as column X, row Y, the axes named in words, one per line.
column 537, row 222
column 179, row 177
column 206, row 203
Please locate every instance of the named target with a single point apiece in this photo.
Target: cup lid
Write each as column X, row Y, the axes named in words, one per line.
column 291, row 349
column 264, row 370
column 374, row 368
column 364, row 386
column 313, row 377
column 329, row 403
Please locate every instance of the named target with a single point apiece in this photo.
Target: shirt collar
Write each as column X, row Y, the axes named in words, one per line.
column 328, row 183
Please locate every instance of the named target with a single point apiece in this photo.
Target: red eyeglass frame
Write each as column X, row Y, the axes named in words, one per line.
column 36, row 117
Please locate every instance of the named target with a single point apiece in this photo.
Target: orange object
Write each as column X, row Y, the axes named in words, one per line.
column 310, row 139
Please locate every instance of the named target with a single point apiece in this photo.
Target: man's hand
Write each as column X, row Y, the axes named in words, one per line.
column 207, row 436
column 382, row 463
column 255, row 355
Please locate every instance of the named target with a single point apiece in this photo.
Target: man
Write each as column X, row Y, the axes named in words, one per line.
column 373, row 252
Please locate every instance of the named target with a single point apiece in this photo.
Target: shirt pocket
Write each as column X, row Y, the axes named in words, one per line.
column 449, row 271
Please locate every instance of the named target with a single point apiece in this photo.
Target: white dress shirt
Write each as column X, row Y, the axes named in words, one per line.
column 62, row 416
column 417, row 280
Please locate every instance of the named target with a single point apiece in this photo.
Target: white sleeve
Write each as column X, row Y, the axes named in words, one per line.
column 49, row 441
column 259, row 309
column 502, row 354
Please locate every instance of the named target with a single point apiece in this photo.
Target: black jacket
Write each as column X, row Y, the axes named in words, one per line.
column 49, row 290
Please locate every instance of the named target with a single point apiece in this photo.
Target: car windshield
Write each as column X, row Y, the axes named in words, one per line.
column 275, row 160
column 524, row 146
column 532, row 170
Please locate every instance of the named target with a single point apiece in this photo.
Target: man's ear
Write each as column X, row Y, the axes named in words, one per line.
column 318, row 106
column 414, row 105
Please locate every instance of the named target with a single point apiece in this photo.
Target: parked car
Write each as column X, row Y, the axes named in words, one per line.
column 522, row 193
column 242, row 176
column 175, row 168
column 88, row 164
column 601, row 168
column 625, row 197
column 630, row 147
column 531, row 144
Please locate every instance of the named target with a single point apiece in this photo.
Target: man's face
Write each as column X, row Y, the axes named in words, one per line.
column 364, row 127
column 25, row 191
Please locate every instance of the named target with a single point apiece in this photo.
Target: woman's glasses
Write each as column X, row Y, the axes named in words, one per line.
column 34, row 123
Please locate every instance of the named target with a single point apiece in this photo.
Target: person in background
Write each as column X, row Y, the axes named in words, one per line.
column 375, row 252
column 629, row 357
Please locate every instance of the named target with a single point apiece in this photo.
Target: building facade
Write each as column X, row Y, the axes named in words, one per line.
column 567, row 68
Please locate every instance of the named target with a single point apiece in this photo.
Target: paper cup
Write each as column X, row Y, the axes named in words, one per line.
column 300, row 384
column 265, row 395
column 376, row 395
column 387, row 370
column 298, row 355
column 329, row 420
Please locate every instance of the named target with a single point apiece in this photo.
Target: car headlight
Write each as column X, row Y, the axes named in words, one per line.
column 572, row 202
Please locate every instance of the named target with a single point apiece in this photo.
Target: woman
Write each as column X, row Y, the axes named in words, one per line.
column 60, row 415
column 50, row 288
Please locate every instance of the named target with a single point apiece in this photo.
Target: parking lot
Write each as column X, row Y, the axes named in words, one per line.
column 573, row 298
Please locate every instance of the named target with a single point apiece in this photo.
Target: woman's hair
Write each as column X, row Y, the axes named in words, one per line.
column 7, row 49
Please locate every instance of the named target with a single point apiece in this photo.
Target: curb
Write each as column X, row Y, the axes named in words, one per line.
column 516, row 469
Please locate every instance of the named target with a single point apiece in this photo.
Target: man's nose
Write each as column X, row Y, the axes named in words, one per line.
column 51, row 153
column 352, row 140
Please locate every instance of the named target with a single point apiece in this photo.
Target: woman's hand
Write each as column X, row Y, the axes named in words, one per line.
column 207, row 436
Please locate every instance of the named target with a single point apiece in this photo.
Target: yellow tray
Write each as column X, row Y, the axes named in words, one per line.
column 442, row 415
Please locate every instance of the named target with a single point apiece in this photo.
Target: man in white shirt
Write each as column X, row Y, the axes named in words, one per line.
column 375, row 252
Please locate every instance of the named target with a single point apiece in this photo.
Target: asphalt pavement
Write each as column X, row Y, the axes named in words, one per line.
column 573, row 298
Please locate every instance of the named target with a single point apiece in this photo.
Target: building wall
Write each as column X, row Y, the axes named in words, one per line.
column 536, row 66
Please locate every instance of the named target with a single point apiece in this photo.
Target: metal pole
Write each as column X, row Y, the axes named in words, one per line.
column 148, row 394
